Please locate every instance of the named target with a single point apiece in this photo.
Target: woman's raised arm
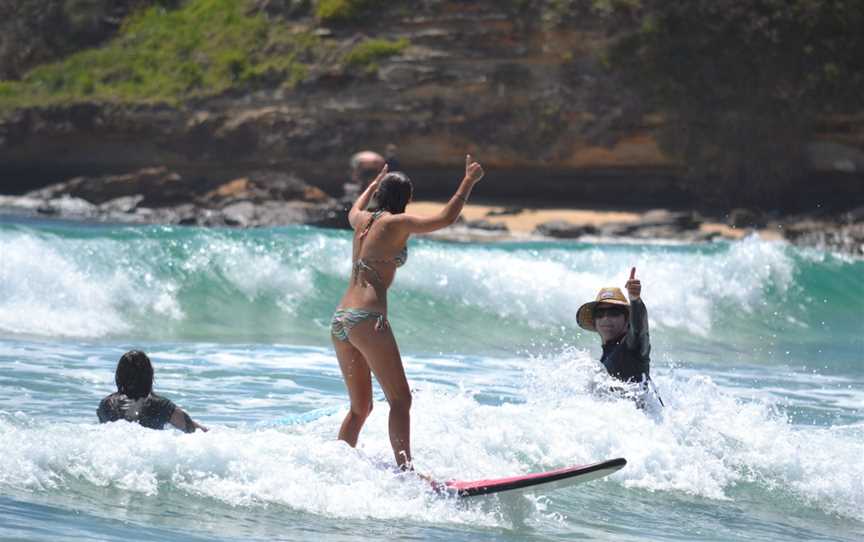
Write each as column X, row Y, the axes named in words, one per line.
column 364, row 198
column 450, row 212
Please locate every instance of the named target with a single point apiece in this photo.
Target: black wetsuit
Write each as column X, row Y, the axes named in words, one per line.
column 152, row 411
column 628, row 357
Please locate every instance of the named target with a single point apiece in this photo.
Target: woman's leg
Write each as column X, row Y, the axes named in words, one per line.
column 358, row 380
column 381, row 353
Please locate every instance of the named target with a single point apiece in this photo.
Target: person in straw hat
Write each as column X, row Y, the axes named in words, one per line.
column 622, row 324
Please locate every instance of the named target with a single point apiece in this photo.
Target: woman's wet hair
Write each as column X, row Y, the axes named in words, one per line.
column 134, row 374
column 393, row 193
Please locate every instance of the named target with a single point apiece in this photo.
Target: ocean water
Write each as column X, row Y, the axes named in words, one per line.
column 758, row 352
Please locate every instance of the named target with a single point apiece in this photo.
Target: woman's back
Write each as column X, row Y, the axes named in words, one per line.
column 378, row 250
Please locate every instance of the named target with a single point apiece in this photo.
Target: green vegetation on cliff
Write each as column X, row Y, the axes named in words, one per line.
column 743, row 84
column 367, row 53
column 344, row 10
column 33, row 32
column 201, row 48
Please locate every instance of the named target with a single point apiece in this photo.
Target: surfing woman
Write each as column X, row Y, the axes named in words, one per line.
column 361, row 334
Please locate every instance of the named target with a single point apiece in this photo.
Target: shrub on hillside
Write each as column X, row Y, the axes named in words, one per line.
column 36, row 31
column 742, row 83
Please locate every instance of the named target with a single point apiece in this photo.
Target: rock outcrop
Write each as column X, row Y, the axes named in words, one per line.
column 532, row 100
column 162, row 196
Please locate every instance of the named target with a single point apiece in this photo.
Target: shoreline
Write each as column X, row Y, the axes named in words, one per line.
column 525, row 221
column 159, row 197
column 487, row 222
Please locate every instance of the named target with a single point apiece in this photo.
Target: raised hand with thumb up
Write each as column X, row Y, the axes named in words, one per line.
column 633, row 286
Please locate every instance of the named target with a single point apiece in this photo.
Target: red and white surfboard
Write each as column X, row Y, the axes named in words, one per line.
column 552, row 479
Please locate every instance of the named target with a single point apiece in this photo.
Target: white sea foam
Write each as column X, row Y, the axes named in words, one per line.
column 722, row 440
column 305, row 470
column 254, row 270
column 58, row 288
column 95, row 287
column 706, row 443
column 684, row 289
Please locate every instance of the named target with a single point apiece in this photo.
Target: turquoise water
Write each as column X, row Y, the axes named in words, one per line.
column 757, row 351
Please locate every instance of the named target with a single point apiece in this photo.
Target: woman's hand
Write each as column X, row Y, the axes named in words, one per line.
column 473, row 170
column 380, row 176
column 450, row 213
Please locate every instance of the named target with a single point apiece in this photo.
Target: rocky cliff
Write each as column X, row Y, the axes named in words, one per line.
column 535, row 100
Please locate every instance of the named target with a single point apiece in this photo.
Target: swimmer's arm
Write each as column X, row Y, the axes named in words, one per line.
column 363, row 200
column 184, row 422
column 638, row 337
column 103, row 412
column 451, row 211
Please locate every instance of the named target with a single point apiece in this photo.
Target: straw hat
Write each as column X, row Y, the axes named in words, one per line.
column 606, row 296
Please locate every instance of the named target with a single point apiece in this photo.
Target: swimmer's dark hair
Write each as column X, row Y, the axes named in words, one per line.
column 393, row 194
column 134, row 375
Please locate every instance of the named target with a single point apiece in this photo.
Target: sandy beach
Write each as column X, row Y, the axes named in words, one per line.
column 524, row 222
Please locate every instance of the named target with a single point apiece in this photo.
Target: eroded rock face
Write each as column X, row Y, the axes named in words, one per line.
column 655, row 224
column 161, row 196
column 473, row 78
column 745, row 218
column 562, row 229
column 263, row 186
column 37, row 31
column 156, row 187
column 487, row 225
column 527, row 98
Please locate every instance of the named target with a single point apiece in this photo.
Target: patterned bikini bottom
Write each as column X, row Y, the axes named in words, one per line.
column 345, row 319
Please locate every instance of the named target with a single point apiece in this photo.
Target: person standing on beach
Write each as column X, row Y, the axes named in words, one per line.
column 361, row 334
column 622, row 323
column 364, row 166
column 134, row 400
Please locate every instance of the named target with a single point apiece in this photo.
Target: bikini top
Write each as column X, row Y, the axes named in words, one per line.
column 363, row 264
column 398, row 259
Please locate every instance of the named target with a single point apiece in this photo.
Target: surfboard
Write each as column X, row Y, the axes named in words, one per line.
column 553, row 479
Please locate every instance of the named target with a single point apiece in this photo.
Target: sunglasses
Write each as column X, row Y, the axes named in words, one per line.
column 612, row 313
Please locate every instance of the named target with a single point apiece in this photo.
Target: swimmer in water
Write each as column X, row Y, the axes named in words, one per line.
column 622, row 323
column 135, row 401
